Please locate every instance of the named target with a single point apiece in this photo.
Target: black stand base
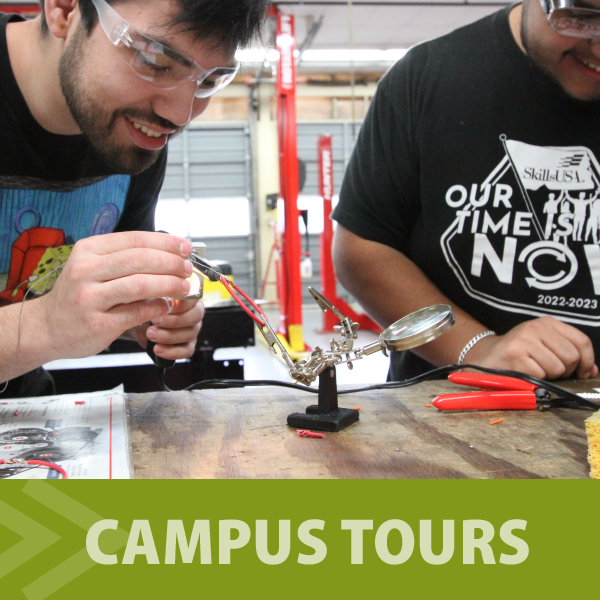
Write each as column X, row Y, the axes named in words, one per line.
column 326, row 416
column 334, row 421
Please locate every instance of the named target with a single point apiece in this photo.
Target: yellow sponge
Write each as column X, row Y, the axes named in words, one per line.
column 592, row 428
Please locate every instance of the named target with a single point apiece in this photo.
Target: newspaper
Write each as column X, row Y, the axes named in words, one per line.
column 85, row 434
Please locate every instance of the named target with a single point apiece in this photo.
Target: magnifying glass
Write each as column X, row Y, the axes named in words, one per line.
column 414, row 330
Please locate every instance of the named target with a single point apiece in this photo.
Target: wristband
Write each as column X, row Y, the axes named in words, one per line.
column 476, row 339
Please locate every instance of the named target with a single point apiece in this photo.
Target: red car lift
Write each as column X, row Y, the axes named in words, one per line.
column 289, row 287
column 288, row 264
column 328, row 281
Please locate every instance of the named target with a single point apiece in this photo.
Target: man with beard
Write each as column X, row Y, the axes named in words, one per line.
column 90, row 94
column 443, row 200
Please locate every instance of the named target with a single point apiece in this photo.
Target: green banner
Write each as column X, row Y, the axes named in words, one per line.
column 296, row 539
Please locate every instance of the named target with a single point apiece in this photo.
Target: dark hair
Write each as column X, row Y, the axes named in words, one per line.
column 229, row 23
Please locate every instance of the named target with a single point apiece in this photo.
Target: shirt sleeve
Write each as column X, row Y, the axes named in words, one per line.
column 140, row 206
column 379, row 198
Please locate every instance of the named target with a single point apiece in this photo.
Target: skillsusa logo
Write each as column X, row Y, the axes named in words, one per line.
column 535, row 220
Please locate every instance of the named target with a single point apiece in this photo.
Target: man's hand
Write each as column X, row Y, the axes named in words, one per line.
column 175, row 334
column 545, row 348
column 112, row 283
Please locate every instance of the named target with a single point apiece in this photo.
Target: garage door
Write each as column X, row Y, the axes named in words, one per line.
column 207, row 195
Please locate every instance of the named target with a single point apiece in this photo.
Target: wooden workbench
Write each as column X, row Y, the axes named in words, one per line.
column 242, row 433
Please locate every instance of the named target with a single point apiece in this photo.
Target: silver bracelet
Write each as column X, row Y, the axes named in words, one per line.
column 478, row 337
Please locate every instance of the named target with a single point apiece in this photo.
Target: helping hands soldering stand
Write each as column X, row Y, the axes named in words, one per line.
column 327, row 415
column 411, row 331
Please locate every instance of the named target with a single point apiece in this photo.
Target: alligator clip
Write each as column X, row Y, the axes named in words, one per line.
column 347, row 327
column 210, row 271
column 507, row 393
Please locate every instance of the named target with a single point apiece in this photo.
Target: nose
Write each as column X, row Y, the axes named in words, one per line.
column 179, row 105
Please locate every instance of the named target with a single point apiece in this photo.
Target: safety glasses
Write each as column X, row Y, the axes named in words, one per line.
column 570, row 18
column 156, row 63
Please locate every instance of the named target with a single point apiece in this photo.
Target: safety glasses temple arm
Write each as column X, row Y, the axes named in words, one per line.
column 113, row 23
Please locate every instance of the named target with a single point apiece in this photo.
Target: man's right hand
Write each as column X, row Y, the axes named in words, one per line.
column 109, row 284
column 545, row 348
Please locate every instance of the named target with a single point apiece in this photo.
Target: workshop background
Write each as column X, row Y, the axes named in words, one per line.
column 223, row 176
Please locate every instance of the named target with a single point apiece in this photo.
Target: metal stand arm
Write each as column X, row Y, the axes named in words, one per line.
column 326, row 416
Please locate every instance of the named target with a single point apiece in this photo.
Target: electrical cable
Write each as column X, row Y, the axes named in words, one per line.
column 230, row 287
column 214, row 384
column 37, row 463
column 240, row 383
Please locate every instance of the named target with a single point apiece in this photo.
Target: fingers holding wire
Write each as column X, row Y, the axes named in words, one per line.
column 183, row 314
column 169, row 337
column 117, row 242
column 175, row 334
column 176, row 351
column 139, row 287
column 130, row 315
column 140, row 261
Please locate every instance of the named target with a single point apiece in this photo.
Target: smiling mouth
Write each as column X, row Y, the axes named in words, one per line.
column 591, row 66
column 146, row 130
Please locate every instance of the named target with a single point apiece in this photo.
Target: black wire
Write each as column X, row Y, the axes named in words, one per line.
column 215, row 384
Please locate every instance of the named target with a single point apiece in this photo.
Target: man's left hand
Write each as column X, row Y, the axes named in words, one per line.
column 175, row 334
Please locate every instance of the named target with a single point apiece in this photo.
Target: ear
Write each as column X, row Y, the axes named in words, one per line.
column 60, row 15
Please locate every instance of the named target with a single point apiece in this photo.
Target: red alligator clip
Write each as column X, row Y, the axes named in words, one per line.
column 509, row 394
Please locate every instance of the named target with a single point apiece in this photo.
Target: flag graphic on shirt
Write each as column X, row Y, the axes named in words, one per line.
column 527, row 238
column 555, row 168
column 564, row 170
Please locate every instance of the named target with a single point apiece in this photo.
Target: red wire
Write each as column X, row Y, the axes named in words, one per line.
column 230, row 286
column 40, row 463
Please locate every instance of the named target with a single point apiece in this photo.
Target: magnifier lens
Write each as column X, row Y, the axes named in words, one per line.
column 418, row 328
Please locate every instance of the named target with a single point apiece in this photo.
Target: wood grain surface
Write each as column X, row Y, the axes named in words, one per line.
column 242, row 433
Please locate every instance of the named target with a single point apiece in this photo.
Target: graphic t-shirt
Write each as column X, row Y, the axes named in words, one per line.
column 54, row 191
column 481, row 170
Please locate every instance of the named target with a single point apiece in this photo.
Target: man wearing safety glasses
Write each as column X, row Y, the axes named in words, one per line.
column 476, row 182
column 90, row 94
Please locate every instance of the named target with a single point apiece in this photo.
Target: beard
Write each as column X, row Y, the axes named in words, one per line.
column 532, row 51
column 547, row 64
column 96, row 123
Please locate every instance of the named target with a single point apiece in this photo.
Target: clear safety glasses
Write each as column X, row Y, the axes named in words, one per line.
column 570, row 18
column 156, row 63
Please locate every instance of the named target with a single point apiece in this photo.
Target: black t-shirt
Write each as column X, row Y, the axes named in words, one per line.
column 54, row 191
column 481, row 170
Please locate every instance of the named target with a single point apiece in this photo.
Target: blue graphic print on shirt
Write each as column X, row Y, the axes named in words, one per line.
column 39, row 227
